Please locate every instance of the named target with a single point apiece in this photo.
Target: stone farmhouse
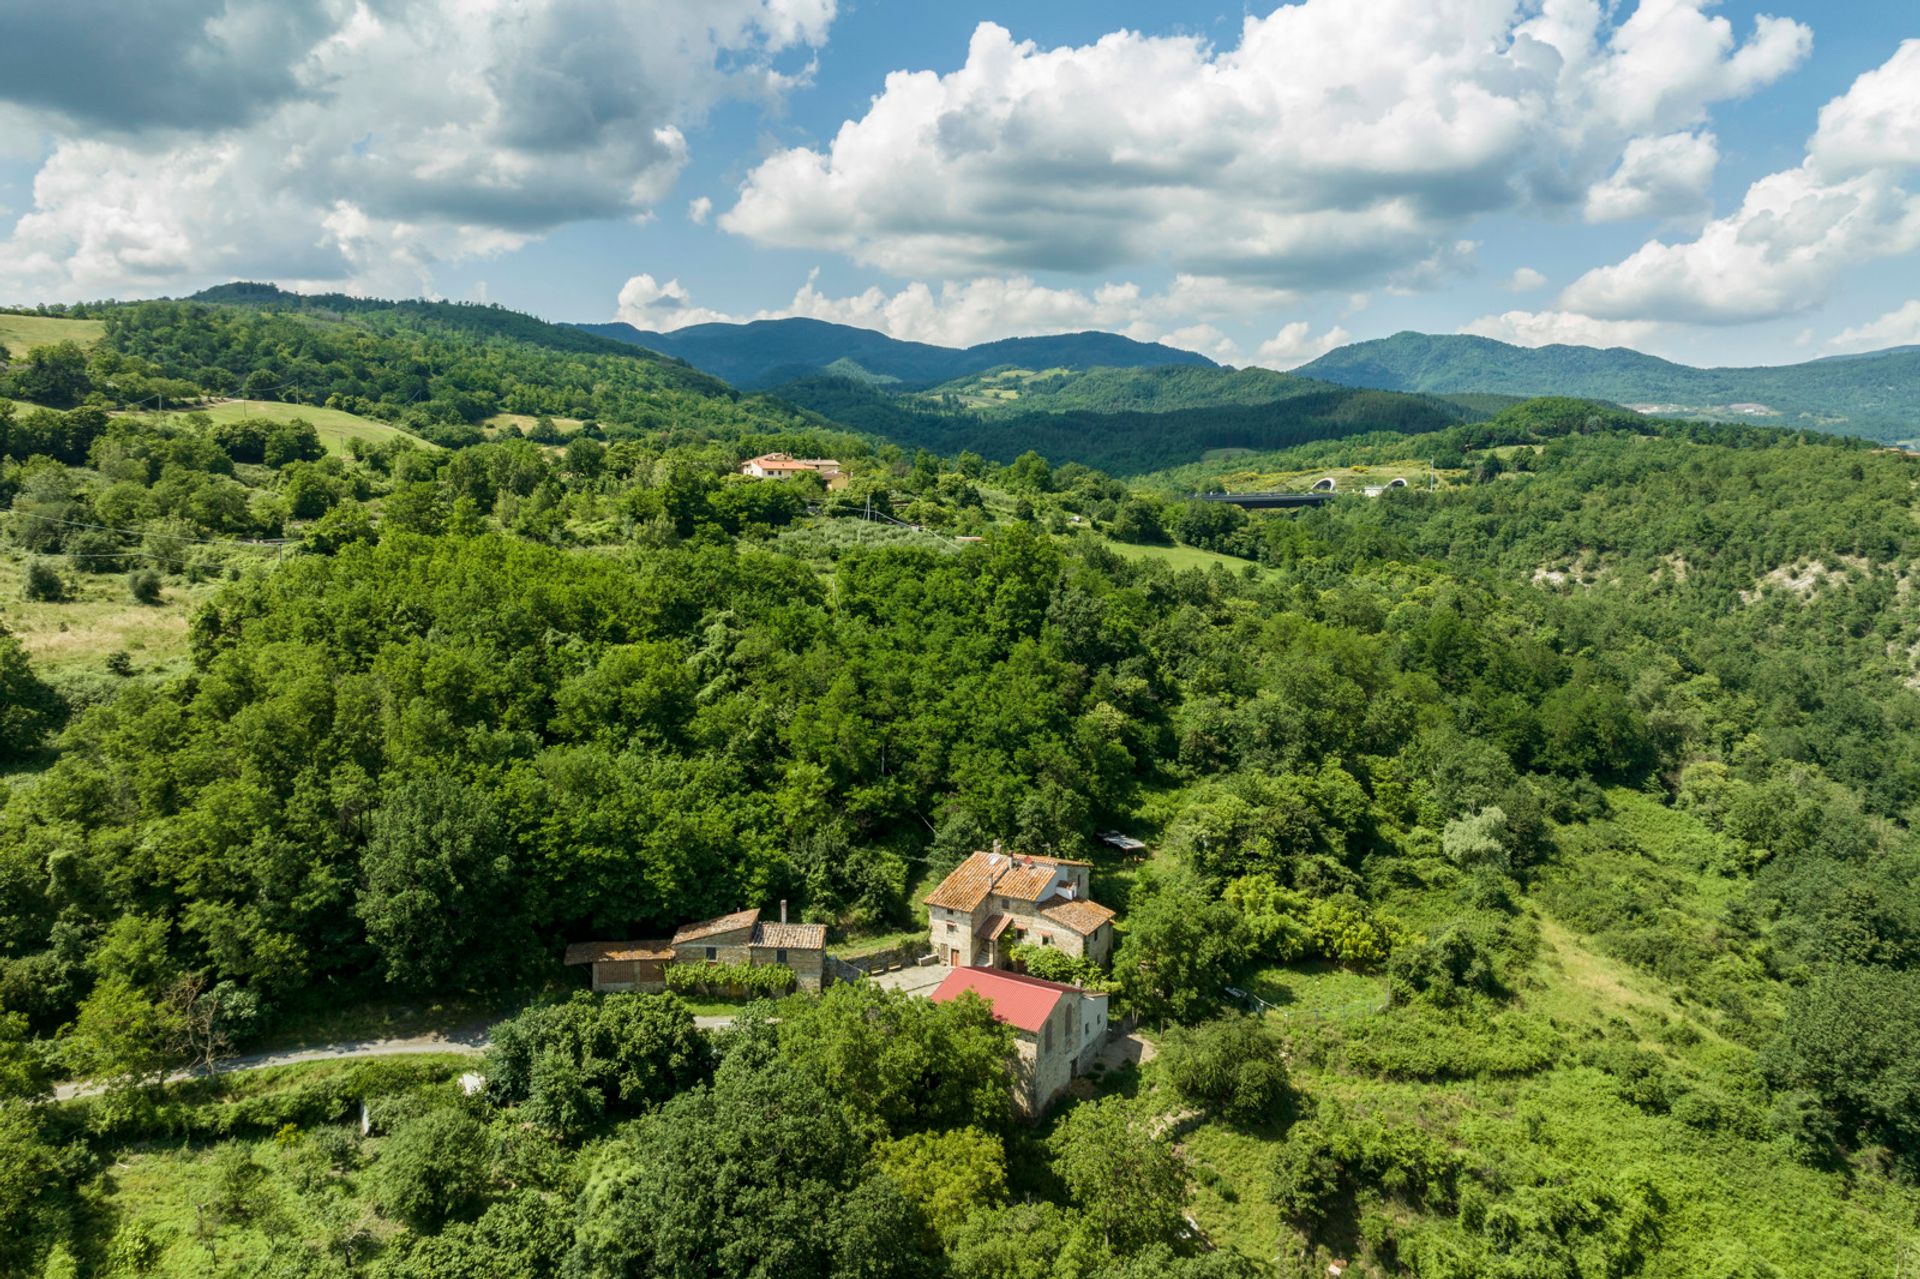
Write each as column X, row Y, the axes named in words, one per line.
column 1058, row 1030
column 781, row 466
column 740, row 938
column 995, row 900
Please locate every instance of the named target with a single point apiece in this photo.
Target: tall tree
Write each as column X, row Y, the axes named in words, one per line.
column 435, row 875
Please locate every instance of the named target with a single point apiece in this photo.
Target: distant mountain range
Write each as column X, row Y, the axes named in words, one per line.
column 1876, row 394
column 764, row 353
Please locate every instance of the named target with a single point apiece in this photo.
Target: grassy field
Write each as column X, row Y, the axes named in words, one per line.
column 102, row 618
column 335, row 428
column 21, row 333
column 987, row 390
column 1184, row 557
column 493, row 425
column 187, row 1207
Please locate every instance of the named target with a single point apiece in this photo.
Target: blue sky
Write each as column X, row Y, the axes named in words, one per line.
column 1257, row 184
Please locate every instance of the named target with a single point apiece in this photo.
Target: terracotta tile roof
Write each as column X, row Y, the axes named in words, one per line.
column 709, row 927
column 993, row 927
column 965, row 887
column 1019, row 877
column 604, row 952
column 791, row 936
column 1027, row 881
column 1020, row 1002
column 1083, row 916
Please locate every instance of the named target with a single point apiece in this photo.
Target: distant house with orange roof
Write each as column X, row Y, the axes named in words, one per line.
column 783, row 466
column 995, row 900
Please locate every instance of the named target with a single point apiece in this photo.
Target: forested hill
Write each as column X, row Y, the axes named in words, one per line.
column 486, row 320
column 1870, row 395
column 437, row 369
column 1530, row 888
column 762, row 352
column 1064, row 427
column 1146, row 389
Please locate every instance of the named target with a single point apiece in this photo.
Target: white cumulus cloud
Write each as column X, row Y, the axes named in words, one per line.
column 338, row 159
column 983, row 309
column 1796, row 232
column 1661, row 177
column 1547, row 328
column 1337, row 141
column 1525, row 280
column 1295, row 344
column 1898, row 327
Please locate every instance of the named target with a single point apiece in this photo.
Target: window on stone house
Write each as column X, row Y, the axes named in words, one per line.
column 779, row 956
column 1046, row 1037
column 713, row 953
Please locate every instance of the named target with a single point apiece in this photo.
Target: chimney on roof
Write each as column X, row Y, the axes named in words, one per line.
column 996, row 846
column 783, row 910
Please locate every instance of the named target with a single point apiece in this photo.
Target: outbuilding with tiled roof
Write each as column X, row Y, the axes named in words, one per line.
column 624, row 965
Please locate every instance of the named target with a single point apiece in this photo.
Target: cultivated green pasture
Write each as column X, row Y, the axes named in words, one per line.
column 21, row 333
column 1182, row 557
column 335, row 428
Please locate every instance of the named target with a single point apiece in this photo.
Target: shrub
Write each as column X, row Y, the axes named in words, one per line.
column 1050, row 963
column 1233, row 1067
column 145, row 585
column 573, row 1062
column 44, row 583
column 1306, row 1176
column 735, row 981
column 434, row 1167
column 1345, row 931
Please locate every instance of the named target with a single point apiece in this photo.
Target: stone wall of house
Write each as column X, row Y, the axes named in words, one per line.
column 1093, row 1031
column 1099, row 947
column 807, row 965
column 1056, row 1048
column 728, row 948
column 951, row 933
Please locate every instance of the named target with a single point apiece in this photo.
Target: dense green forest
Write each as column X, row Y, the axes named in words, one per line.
column 764, row 353
column 1161, row 388
column 1531, row 888
column 1083, row 421
column 1870, row 395
column 434, row 368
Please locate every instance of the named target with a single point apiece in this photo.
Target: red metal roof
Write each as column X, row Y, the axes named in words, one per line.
column 1021, row 1001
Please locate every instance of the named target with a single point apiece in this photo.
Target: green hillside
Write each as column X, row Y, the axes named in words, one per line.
column 435, row 369
column 21, row 333
column 1528, row 887
column 1158, row 389
column 767, row 352
column 1869, row 395
column 1217, row 415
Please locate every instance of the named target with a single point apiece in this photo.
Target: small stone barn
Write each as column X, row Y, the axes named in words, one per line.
column 741, row 938
column 624, row 965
